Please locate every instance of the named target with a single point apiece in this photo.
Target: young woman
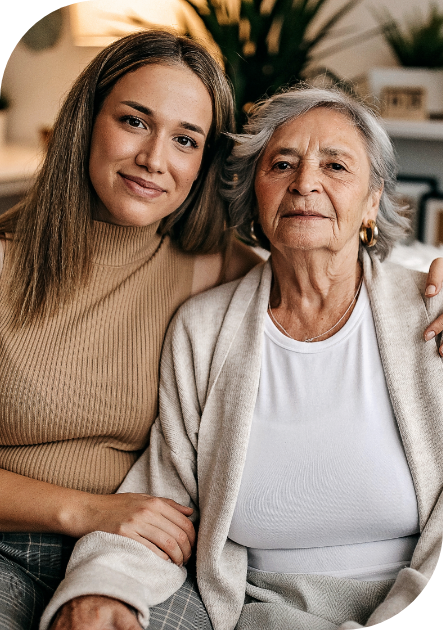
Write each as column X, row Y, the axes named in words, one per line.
column 123, row 224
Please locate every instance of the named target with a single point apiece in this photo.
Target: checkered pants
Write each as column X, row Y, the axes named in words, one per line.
column 32, row 566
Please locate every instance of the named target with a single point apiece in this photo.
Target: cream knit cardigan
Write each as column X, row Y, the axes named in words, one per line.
column 209, row 381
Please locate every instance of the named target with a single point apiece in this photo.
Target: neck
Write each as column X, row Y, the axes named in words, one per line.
column 311, row 291
column 118, row 245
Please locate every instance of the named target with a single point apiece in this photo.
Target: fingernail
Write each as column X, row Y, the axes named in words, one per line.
column 429, row 335
column 430, row 289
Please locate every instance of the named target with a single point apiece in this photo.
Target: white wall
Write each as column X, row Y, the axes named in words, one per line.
column 36, row 81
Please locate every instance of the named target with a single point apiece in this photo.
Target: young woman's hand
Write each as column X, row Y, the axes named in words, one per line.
column 433, row 287
column 162, row 525
column 30, row 505
column 95, row 612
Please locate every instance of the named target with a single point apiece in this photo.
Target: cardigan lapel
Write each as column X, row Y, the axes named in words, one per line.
column 235, row 370
column 247, row 292
column 413, row 372
column 234, row 381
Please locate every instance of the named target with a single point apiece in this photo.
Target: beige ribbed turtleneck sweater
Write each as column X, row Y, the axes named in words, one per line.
column 78, row 391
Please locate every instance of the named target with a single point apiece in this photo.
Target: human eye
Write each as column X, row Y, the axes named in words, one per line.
column 335, row 167
column 134, row 122
column 186, row 142
column 281, row 166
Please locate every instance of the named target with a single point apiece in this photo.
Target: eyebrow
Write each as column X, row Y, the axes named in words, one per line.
column 328, row 151
column 148, row 112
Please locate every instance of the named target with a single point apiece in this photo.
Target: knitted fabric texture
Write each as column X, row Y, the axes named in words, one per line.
column 78, row 390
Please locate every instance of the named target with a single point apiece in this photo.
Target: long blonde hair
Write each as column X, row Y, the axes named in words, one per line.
column 51, row 227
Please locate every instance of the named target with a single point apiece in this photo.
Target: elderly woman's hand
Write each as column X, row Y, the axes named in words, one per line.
column 433, row 287
column 95, row 612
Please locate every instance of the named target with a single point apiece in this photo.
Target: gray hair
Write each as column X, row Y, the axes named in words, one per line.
column 267, row 116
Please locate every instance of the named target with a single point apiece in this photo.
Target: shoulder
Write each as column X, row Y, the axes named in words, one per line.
column 211, row 270
column 406, row 284
column 395, row 272
column 403, row 290
column 204, row 314
column 388, row 275
column 239, row 260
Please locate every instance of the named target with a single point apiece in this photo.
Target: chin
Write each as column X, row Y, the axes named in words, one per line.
column 134, row 218
column 302, row 242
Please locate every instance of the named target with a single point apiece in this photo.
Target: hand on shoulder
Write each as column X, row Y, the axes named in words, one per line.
column 433, row 287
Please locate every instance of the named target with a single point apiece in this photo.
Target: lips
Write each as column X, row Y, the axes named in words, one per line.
column 304, row 213
column 143, row 183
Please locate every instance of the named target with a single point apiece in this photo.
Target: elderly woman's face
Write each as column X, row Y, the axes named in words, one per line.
column 312, row 183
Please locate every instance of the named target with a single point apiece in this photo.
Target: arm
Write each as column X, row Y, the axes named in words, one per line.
column 36, row 506
column 133, row 573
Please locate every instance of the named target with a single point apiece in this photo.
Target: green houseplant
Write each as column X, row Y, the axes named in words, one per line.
column 419, row 44
column 266, row 45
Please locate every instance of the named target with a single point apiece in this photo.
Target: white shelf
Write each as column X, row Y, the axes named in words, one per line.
column 415, row 129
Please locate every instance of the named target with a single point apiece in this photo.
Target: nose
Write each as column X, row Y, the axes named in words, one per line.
column 306, row 179
column 152, row 154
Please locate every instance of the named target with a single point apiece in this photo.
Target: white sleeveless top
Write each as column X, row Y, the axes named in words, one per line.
column 326, row 487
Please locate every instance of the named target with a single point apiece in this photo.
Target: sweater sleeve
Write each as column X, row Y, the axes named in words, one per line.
column 119, row 567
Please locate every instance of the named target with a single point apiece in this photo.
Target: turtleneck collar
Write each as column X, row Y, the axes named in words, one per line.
column 117, row 245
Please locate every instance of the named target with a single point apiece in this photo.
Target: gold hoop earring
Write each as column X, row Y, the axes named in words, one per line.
column 369, row 233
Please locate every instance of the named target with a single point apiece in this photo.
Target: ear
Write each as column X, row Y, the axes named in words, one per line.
column 373, row 205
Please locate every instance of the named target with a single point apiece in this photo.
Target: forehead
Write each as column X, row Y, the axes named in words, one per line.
column 175, row 85
column 153, row 71
column 320, row 129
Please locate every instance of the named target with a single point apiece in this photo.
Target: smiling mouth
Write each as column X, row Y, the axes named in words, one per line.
column 143, row 183
column 309, row 214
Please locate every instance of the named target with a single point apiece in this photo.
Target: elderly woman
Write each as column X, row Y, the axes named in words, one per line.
column 300, row 411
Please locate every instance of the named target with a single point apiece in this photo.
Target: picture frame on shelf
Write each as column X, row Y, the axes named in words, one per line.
column 432, row 219
column 404, row 103
column 412, row 190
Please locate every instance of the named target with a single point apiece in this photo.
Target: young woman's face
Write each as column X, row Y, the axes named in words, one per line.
column 147, row 144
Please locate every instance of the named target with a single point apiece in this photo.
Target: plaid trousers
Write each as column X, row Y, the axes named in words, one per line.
column 33, row 565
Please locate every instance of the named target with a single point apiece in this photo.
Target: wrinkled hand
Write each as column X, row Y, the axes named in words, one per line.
column 94, row 612
column 162, row 525
column 433, row 287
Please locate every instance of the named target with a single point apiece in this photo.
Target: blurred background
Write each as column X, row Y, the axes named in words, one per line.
column 390, row 53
